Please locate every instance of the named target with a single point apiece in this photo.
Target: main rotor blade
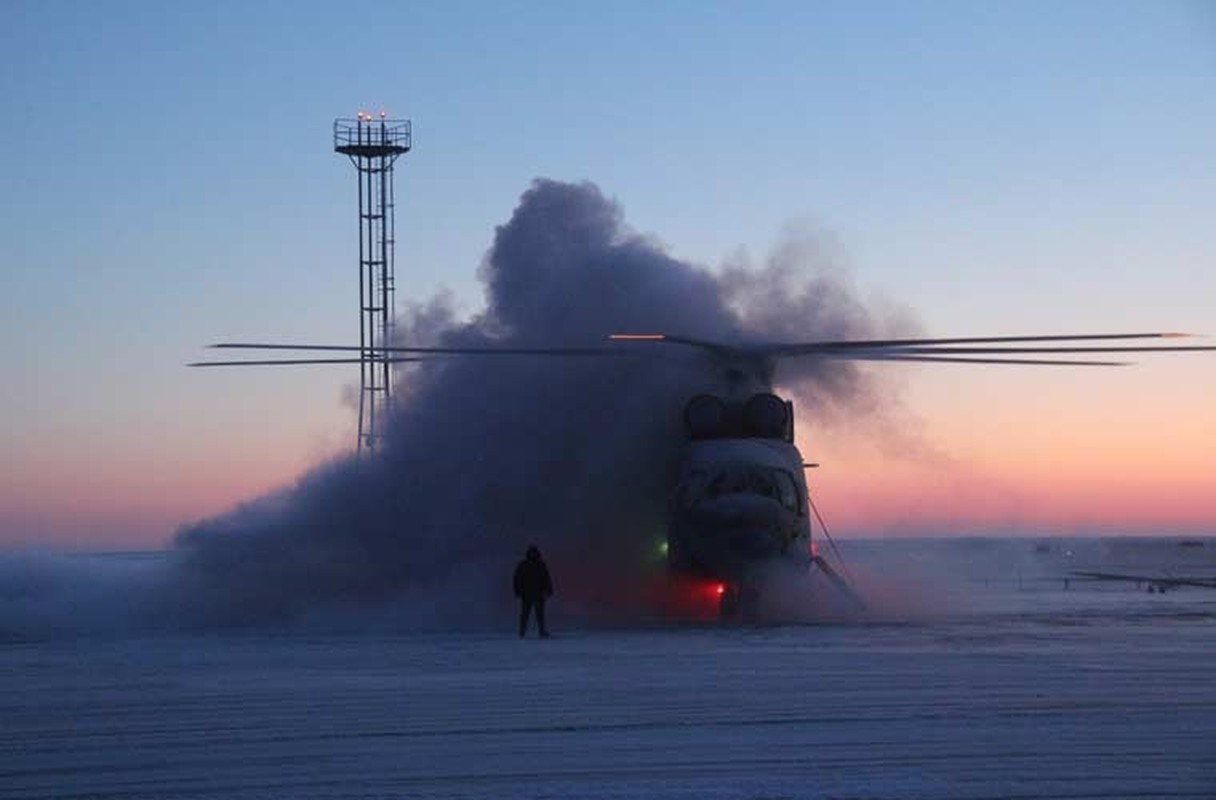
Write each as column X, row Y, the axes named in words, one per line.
column 817, row 348
column 286, row 361
column 853, row 357
column 814, row 347
column 1015, row 350
column 937, row 349
column 941, row 349
column 481, row 351
column 897, row 356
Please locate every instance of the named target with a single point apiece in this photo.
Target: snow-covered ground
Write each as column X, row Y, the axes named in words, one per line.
column 1011, row 687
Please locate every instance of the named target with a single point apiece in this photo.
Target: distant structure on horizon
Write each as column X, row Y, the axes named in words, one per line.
column 373, row 143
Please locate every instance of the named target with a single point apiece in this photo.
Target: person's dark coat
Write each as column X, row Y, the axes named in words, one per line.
column 532, row 581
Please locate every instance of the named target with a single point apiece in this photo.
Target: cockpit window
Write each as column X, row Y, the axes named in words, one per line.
column 760, row 481
column 776, row 484
column 787, row 489
column 720, row 484
column 733, row 480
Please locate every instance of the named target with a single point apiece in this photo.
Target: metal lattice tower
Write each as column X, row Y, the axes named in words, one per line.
column 373, row 145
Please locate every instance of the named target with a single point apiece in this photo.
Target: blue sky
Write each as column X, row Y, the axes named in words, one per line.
column 168, row 181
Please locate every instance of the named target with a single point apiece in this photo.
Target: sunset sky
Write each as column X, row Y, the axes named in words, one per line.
column 168, row 181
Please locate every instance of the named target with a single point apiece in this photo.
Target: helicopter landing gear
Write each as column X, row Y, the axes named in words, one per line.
column 840, row 583
column 728, row 601
column 736, row 601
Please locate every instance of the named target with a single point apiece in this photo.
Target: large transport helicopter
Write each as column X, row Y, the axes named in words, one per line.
column 739, row 505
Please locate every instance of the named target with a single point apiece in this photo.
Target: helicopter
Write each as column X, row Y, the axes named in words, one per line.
column 1154, row 584
column 739, row 503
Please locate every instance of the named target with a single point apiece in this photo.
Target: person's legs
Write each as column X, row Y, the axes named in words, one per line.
column 525, row 608
column 540, row 617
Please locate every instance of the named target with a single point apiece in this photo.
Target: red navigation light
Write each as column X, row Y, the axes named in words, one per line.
column 719, row 589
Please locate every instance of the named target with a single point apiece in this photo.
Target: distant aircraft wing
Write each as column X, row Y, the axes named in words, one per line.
column 1156, row 580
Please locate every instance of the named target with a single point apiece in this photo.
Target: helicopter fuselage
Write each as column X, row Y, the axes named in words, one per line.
column 740, row 505
column 740, row 502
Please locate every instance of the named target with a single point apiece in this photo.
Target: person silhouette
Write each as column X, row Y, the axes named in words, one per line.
column 533, row 587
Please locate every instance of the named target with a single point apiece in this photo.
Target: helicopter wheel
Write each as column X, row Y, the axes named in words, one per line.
column 728, row 603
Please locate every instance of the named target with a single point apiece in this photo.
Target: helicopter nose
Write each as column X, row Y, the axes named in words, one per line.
column 744, row 525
